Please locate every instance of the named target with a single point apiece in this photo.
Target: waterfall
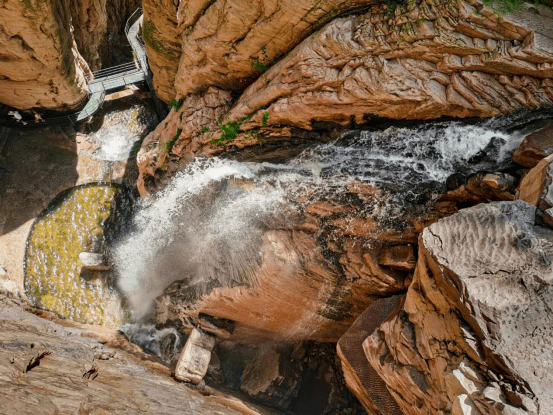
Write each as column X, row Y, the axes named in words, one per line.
column 205, row 228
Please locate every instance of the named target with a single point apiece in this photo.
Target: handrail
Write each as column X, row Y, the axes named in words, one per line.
column 101, row 81
column 133, row 18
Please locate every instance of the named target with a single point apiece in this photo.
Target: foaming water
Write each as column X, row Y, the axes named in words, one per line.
column 121, row 130
column 205, row 229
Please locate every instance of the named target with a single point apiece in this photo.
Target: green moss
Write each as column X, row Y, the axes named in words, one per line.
column 53, row 277
column 148, row 30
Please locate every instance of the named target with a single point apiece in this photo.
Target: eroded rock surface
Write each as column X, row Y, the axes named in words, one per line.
column 535, row 146
column 40, row 65
column 474, row 336
column 423, row 61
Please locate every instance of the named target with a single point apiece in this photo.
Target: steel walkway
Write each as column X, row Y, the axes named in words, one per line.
column 103, row 81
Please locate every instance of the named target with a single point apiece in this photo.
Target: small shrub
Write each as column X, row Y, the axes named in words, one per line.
column 264, row 119
column 169, row 145
column 263, row 63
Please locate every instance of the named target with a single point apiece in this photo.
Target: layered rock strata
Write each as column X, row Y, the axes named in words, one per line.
column 40, row 66
column 46, row 368
column 473, row 336
column 420, row 61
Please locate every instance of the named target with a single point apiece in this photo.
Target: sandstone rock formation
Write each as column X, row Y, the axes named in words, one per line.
column 535, row 146
column 40, row 66
column 98, row 29
column 425, row 60
column 473, row 335
column 422, row 61
column 308, row 276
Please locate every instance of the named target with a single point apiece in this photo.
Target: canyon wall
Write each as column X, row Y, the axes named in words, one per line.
column 196, row 44
column 419, row 61
column 40, row 66
column 47, row 47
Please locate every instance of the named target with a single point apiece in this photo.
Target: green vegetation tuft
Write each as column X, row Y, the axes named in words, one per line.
column 263, row 63
column 264, row 119
column 169, row 145
column 230, row 130
column 176, row 104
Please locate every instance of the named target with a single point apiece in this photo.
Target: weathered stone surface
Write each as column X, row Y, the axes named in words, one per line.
column 93, row 261
column 39, row 62
column 98, row 29
column 202, row 43
column 473, row 336
column 535, row 185
column 535, row 147
column 410, row 65
column 46, row 368
column 361, row 378
column 195, row 356
column 431, row 59
column 182, row 133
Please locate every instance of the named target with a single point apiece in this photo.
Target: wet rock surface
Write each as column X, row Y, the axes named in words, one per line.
column 535, row 146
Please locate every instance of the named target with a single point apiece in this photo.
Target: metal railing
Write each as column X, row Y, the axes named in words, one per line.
column 114, row 70
column 133, row 19
column 102, row 81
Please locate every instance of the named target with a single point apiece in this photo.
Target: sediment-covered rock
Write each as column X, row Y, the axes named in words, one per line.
column 473, row 336
column 40, row 66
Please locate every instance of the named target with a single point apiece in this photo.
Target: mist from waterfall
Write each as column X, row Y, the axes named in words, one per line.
column 205, row 229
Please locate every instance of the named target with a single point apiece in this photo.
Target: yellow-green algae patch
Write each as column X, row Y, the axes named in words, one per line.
column 53, row 276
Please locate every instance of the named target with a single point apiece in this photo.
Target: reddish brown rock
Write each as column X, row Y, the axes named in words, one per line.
column 535, row 185
column 226, row 43
column 535, row 147
column 483, row 187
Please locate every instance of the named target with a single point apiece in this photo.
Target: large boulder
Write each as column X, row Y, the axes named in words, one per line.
column 474, row 334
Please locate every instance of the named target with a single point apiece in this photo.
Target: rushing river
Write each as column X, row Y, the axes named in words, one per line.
column 206, row 225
